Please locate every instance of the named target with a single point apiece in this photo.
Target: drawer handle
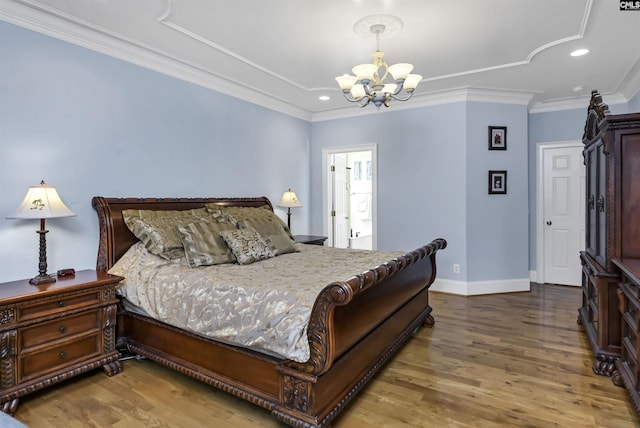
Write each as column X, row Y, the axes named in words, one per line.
column 62, row 304
column 63, row 329
column 63, row 355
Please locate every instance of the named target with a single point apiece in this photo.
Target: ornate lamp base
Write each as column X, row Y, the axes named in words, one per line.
column 42, row 279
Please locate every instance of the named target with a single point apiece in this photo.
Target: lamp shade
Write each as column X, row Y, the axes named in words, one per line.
column 289, row 200
column 42, row 202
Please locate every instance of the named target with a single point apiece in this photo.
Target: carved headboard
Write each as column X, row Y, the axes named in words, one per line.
column 116, row 238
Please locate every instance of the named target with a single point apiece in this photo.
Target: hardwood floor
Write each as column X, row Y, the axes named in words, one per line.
column 517, row 360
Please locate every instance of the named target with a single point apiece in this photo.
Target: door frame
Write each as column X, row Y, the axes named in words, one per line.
column 326, row 187
column 540, row 243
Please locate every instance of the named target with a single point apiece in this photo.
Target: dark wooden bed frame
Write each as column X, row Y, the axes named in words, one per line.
column 355, row 327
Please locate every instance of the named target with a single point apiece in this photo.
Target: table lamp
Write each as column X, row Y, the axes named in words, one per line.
column 289, row 200
column 42, row 202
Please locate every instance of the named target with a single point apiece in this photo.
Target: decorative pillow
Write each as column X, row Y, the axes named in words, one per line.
column 158, row 235
column 157, row 229
column 273, row 234
column 247, row 245
column 196, row 212
column 203, row 244
column 238, row 214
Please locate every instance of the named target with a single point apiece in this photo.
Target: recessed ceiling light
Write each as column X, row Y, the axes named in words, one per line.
column 580, row 52
column 324, row 97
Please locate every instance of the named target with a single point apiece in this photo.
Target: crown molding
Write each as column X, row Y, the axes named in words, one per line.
column 456, row 95
column 575, row 103
column 31, row 16
column 630, row 86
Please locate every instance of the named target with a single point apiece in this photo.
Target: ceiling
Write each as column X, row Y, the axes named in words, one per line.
column 284, row 54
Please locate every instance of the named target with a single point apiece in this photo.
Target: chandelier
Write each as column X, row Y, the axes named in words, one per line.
column 368, row 85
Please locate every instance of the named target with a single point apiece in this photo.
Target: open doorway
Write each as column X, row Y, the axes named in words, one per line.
column 349, row 196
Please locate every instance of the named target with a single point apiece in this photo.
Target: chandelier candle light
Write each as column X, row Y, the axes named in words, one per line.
column 42, row 202
column 368, row 84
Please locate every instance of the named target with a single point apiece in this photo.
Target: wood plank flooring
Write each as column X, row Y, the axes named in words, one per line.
column 517, row 360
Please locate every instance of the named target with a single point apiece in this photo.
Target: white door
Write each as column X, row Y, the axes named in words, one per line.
column 563, row 219
column 340, row 212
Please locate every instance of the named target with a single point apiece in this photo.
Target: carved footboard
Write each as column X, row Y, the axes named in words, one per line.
column 355, row 327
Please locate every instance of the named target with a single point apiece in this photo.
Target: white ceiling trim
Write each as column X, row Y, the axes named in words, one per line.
column 529, row 58
column 58, row 25
column 630, row 84
column 165, row 20
column 465, row 94
column 576, row 103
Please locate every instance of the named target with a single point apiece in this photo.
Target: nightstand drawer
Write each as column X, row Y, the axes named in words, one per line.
column 61, row 304
column 39, row 363
column 58, row 329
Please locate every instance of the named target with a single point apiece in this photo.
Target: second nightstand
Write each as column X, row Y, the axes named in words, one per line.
column 310, row 239
column 55, row 331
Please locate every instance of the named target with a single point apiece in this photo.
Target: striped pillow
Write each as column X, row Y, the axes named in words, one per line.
column 235, row 214
column 203, row 244
column 157, row 228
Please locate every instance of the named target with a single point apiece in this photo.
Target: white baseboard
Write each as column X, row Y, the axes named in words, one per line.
column 480, row 287
column 533, row 276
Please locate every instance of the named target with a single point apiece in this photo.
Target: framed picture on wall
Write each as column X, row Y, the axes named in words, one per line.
column 497, row 138
column 497, row 182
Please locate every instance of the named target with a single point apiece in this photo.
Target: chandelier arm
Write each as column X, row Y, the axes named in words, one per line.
column 366, row 102
column 386, row 72
column 395, row 97
column 349, row 98
column 399, row 87
column 365, row 85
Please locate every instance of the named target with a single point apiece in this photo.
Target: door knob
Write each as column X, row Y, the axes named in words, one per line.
column 548, row 223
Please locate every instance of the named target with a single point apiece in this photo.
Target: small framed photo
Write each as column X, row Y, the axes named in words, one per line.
column 497, row 138
column 497, row 182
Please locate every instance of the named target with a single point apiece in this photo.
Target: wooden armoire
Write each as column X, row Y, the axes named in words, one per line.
column 612, row 157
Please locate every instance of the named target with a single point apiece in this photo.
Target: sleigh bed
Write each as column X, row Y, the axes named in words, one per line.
column 355, row 324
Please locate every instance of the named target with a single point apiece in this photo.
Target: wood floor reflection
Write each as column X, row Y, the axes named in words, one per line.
column 517, row 360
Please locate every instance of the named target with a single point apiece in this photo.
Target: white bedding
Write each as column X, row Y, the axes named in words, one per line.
column 264, row 306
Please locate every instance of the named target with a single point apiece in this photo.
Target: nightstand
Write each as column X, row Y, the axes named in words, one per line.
column 310, row 239
column 55, row 331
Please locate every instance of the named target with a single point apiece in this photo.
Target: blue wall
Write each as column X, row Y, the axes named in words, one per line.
column 421, row 174
column 93, row 125
column 433, row 167
column 497, row 225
